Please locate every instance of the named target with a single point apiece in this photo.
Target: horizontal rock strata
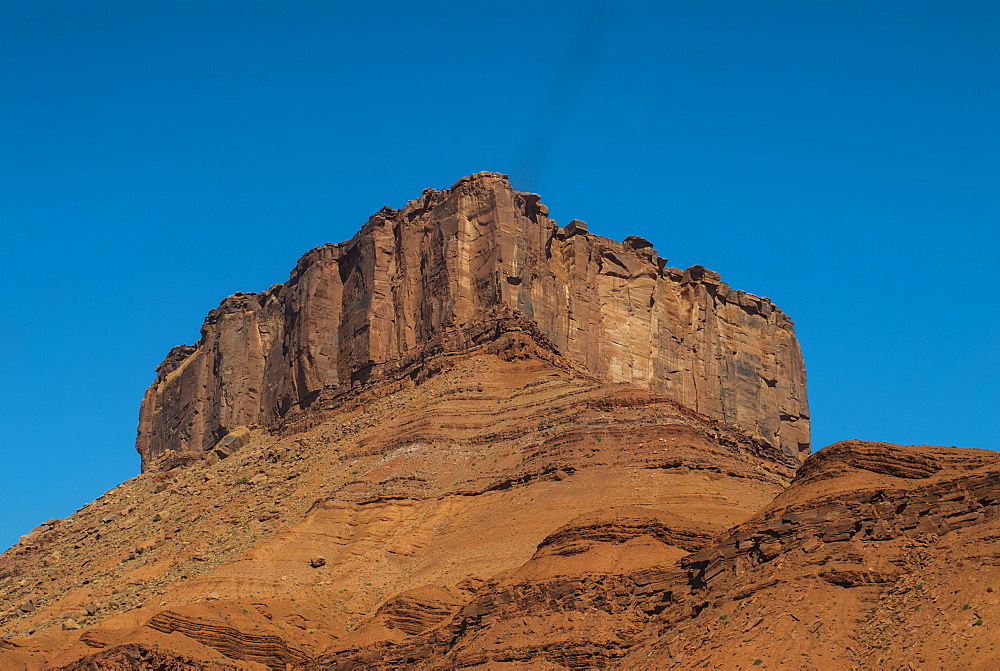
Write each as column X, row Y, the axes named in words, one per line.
column 877, row 556
column 262, row 648
column 870, row 514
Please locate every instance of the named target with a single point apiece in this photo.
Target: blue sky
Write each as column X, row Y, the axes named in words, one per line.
column 842, row 158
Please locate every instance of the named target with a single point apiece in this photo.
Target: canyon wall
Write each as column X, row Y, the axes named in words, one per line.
column 458, row 266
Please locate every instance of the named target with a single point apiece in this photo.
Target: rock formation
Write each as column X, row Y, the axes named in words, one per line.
column 469, row 438
column 453, row 269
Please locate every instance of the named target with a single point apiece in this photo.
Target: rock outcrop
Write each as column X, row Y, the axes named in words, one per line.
column 451, row 270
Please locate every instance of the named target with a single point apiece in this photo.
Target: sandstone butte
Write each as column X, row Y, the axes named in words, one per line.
column 472, row 438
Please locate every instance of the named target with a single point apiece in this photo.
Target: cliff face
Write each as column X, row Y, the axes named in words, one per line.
column 452, row 269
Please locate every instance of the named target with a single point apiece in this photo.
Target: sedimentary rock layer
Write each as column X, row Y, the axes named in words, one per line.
column 458, row 266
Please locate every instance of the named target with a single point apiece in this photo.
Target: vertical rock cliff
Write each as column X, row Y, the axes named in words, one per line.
column 456, row 267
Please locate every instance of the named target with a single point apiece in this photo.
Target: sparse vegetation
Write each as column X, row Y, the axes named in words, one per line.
column 243, row 481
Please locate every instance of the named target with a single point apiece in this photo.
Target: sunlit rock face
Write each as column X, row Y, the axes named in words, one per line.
column 458, row 267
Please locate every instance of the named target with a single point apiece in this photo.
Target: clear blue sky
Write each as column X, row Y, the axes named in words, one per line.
column 842, row 158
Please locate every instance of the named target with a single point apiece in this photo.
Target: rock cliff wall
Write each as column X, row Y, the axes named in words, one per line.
column 455, row 267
